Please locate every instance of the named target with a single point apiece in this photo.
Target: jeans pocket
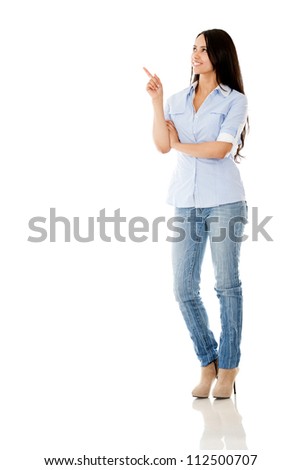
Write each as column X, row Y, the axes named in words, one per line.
column 184, row 212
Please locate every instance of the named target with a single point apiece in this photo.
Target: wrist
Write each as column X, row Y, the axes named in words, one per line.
column 158, row 101
column 175, row 145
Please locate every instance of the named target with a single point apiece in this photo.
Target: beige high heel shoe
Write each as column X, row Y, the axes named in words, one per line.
column 209, row 373
column 225, row 383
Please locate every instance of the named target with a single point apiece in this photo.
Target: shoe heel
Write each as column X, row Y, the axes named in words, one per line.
column 216, row 367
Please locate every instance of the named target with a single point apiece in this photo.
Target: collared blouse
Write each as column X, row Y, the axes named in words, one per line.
column 207, row 182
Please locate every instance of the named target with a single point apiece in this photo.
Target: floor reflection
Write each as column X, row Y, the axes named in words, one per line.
column 223, row 427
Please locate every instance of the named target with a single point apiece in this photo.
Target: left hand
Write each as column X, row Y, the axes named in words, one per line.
column 173, row 134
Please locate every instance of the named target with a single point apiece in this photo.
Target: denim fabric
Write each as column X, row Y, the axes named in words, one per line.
column 223, row 226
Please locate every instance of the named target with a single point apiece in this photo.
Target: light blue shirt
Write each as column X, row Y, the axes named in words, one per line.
column 207, row 182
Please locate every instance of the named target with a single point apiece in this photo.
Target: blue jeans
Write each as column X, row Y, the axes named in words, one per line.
column 223, row 225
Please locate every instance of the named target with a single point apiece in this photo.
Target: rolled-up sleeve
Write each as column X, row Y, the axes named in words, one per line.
column 234, row 122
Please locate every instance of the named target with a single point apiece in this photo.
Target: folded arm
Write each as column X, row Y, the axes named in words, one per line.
column 227, row 140
column 215, row 149
column 204, row 149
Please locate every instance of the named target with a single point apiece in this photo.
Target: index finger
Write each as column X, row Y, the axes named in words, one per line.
column 147, row 72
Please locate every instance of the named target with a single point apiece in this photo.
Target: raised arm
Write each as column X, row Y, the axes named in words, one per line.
column 160, row 130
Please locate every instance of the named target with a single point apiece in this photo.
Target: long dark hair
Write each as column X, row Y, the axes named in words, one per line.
column 223, row 56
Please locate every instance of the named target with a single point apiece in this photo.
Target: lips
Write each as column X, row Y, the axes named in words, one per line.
column 196, row 64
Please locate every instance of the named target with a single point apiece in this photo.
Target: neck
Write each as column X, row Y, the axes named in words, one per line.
column 207, row 83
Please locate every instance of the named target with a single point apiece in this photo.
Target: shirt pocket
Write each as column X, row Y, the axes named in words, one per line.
column 212, row 124
column 216, row 118
column 176, row 109
column 178, row 116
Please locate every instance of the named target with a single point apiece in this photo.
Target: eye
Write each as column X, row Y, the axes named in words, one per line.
column 204, row 49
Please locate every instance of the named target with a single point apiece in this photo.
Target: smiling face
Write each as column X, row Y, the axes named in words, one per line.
column 199, row 58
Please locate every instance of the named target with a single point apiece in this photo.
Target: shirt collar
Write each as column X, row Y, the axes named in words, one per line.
column 223, row 89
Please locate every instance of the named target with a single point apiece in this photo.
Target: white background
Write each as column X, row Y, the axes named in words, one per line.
column 95, row 356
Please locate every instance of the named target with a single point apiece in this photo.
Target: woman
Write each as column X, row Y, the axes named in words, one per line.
column 206, row 125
